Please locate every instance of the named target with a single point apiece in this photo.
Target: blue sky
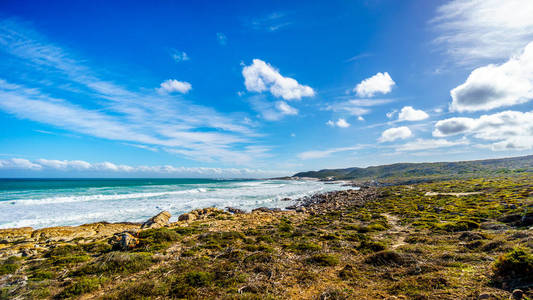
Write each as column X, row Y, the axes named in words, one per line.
column 258, row 89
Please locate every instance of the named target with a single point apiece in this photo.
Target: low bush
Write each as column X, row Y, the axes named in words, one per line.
column 514, row 268
column 323, row 259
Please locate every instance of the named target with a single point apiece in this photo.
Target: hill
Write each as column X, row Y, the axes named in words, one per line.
column 438, row 169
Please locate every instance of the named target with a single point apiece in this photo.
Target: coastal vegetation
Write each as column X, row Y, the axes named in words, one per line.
column 448, row 239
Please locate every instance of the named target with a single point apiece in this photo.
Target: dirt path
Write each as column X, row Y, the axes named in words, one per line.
column 397, row 231
column 451, row 194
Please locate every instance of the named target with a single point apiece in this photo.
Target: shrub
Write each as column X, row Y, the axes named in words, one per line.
column 198, row 279
column 514, row 268
column 305, row 246
column 157, row 239
column 82, row 286
column 388, row 258
column 9, row 266
column 42, row 275
column 118, row 262
column 66, row 250
column 370, row 246
column 324, row 260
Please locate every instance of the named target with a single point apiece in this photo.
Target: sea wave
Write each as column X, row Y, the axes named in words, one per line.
column 103, row 197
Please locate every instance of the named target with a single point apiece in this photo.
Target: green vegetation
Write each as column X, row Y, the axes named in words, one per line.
column 424, row 171
column 452, row 239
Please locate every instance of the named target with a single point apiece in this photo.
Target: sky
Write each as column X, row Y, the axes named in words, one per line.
column 260, row 89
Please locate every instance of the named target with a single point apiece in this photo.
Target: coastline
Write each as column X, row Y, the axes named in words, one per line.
column 423, row 241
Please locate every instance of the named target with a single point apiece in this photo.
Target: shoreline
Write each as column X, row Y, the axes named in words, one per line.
column 99, row 230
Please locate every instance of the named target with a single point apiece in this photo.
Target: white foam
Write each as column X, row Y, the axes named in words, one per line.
column 134, row 204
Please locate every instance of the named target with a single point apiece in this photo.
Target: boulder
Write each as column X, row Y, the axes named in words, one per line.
column 234, row 210
column 187, row 217
column 124, row 241
column 517, row 294
column 157, row 221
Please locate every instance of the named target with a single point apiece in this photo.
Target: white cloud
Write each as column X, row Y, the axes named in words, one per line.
column 179, row 56
column 18, row 163
column 342, row 123
column 339, row 123
column 480, row 30
column 508, row 130
column 285, row 108
column 271, row 22
column 391, row 113
column 408, row 113
column 395, row 133
column 260, row 77
column 379, row 83
column 80, row 168
column 427, row 144
column 173, row 85
column 324, row 153
column 494, row 86
column 357, row 107
column 360, row 118
column 222, row 38
column 110, row 110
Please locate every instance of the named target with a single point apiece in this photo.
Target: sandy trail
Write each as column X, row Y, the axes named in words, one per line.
column 397, row 231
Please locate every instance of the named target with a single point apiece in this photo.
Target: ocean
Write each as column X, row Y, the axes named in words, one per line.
column 42, row 203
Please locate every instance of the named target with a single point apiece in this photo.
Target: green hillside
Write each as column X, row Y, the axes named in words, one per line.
column 438, row 169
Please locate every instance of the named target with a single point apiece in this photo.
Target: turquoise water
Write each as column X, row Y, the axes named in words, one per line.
column 57, row 202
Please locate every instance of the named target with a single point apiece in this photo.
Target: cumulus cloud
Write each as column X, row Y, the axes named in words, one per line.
column 480, row 30
column 339, row 123
column 508, row 130
column 380, row 83
column 494, row 86
column 79, row 167
column 260, row 77
column 408, row 113
column 173, row 85
column 396, row 133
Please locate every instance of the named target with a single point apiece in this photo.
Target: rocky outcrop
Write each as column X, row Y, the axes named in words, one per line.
column 234, row 210
column 200, row 214
column 157, row 221
column 123, row 241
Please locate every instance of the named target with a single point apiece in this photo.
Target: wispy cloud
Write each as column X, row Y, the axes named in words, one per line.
column 271, row 22
column 83, row 168
column 110, row 110
column 483, row 30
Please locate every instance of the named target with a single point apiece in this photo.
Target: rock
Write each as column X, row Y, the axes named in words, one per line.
column 14, row 234
column 420, row 207
column 261, row 209
column 187, row 217
column 527, row 219
column 124, row 241
column 286, row 199
column 517, row 294
column 484, row 296
column 157, row 221
column 301, row 209
column 235, row 210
